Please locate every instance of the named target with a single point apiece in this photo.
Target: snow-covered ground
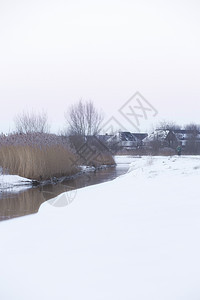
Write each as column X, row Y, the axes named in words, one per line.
column 14, row 183
column 136, row 237
column 125, row 159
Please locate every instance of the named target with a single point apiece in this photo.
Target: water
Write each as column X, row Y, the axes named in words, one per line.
column 28, row 201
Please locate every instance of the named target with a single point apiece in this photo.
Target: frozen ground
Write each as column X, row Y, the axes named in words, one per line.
column 133, row 238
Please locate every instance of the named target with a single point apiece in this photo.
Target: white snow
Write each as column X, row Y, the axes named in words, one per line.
column 87, row 168
column 14, row 183
column 157, row 135
column 125, row 159
column 136, row 237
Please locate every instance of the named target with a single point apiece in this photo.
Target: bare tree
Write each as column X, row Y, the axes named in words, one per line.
column 195, row 128
column 83, row 118
column 167, row 125
column 29, row 122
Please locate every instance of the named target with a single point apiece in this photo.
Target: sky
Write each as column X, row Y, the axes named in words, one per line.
column 54, row 53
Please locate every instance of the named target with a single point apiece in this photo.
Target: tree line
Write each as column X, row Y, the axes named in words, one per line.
column 82, row 118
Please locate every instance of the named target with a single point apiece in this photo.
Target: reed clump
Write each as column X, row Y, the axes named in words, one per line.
column 36, row 156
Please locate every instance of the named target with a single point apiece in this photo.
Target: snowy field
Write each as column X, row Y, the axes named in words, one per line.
column 133, row 238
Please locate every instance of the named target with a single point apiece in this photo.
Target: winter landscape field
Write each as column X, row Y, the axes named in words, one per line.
column 99, row 150
column 136, row 237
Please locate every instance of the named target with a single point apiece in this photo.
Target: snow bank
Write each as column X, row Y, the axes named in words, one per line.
column 14, row 183
column 125, row 159
column 136, row 237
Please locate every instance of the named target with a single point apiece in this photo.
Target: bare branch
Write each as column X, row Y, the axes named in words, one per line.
column 83, row 119
column 28, row 122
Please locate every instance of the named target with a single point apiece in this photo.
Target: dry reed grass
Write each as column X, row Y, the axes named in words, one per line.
column 41, row 156
column 37, row 162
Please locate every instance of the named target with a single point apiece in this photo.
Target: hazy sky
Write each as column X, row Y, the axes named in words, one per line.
column 55, row 52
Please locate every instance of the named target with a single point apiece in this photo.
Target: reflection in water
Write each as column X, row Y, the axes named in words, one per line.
column 28, row 201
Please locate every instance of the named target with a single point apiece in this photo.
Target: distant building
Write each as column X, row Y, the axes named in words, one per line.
column 140, row 137
column 130, row 140
column 188, row 139
column 127, row 140
column 166, row 138
column 160, row 138
column 185, row 137
column 123, row 140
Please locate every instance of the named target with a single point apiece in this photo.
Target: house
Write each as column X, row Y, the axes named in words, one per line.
column 165, row 137
column 185, row 136
column 127, row 140
column 140, row 137
column 121, row 140
column 188, row 139
column 131, row 140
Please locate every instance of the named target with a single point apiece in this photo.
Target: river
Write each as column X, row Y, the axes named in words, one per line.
column 28, row 201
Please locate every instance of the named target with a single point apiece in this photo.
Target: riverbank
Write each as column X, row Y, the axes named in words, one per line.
column 135, row 237
column 15, row 183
